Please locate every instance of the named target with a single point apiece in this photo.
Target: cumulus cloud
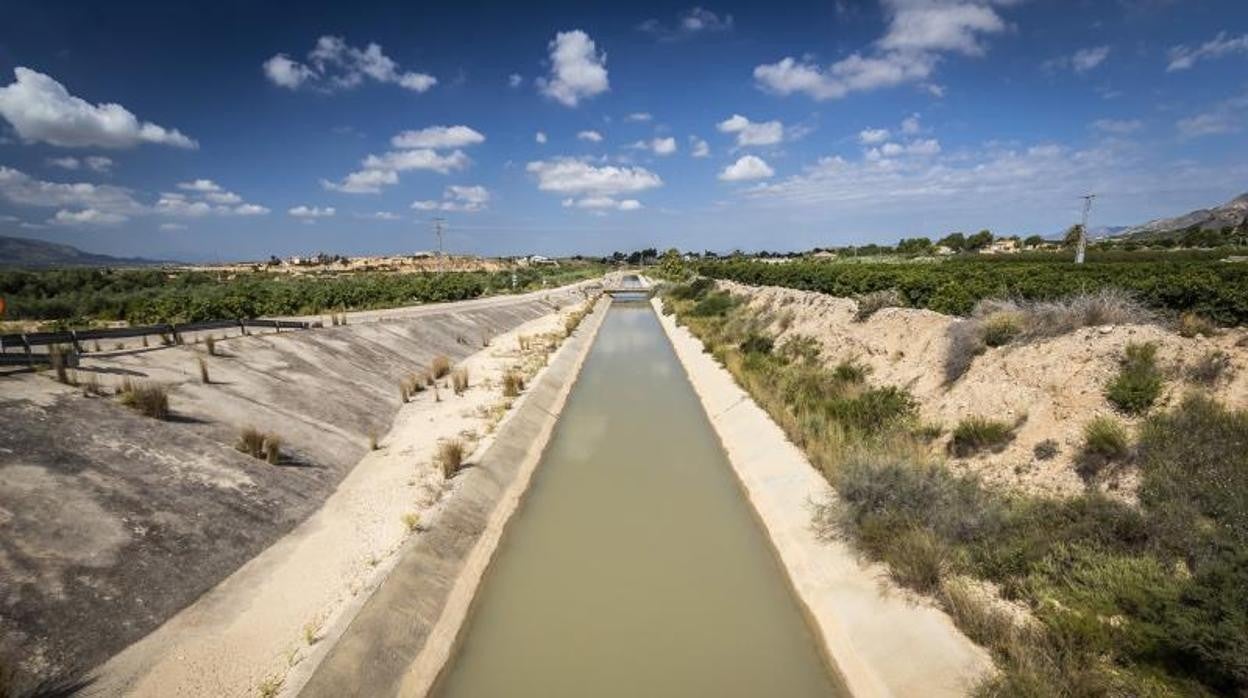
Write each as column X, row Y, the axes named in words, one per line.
column 911, row 125
column 918, row 148
column 691, row 22
column 438, row 137
column 1225, row 117
column 65, row 163
column 308, row 212
column 919, row 32
column 86, row 216
column 658, row 146
column 699, row 148
column 872, row 136
column 639, row 117
column 751, row 133
column 464, row 199
column 591, row 136
column 515, row 80
column 590, row 186
column 746, row 167
column 539, row 137
column 203, row 197
column 98, row 163
column 333, row 64
column 1080, row 61
column 170, row 227
column 577, row 69
column 42, row 110
column 380, row 216
column 1184, row 57
column 425, row 152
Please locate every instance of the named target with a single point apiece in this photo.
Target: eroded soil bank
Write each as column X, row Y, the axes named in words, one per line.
column 110, row 522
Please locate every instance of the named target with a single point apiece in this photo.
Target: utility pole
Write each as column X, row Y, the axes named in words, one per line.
column 437, row 230
column 1082, row 247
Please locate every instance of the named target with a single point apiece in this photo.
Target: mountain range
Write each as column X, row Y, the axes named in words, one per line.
column 25, row 252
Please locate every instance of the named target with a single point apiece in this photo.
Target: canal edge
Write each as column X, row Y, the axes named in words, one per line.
column 879, row 640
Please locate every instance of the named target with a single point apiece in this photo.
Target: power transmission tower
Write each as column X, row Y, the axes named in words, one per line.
column 437, row 230
column 1082, row 247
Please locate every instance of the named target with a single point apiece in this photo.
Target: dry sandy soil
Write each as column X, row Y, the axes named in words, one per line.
column 1056, row 384
column 111, row 522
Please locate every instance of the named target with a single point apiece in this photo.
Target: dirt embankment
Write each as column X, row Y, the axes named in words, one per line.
column 110, row 522
column 1054, row 385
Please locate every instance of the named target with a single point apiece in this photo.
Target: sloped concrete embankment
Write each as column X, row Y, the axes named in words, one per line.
column 111, row 522
column 405, row 633
column 883, row 641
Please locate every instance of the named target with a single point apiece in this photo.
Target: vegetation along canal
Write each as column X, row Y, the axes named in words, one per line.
column 635, row 567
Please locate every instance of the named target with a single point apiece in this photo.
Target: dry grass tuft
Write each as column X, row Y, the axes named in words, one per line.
column 976, row 434
column 871, row 303
column 203, row 371
column 525, row 342
column 1193, row 325
column 1210, row 368
column 412, row 521
column 260, row 445
column 91, row 386
column 459, row 380
column 148, row 399
column 439, row 367
column 451, row 457
column 211, row 345
column 513, row 383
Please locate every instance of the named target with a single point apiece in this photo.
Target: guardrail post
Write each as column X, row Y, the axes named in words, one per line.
column 73, row 339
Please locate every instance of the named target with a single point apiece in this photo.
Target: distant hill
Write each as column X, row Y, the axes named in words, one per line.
column 1228, row 215
column 25, row 252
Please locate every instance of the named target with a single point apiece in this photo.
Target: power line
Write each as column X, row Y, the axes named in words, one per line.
column 437, row 230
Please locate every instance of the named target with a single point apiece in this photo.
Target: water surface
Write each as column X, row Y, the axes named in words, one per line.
column 635, row 567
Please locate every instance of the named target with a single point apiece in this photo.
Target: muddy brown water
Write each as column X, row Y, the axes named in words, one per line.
column 635, row 566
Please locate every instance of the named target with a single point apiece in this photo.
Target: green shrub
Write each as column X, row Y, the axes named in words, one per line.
column 1139, row 381
column 1104, row 441
column 717, row 303
column 917, row 560
column 757, row 343
column 871, row 303
column 851, row 371
column 874, row 410
column 975, row 434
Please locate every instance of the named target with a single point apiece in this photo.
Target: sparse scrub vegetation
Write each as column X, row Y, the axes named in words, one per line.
column 439, row 367
column 1105, row 441
column 525, row 342
column 1194, row 325
column 1209, row 369
column 977, row 434
column 513, row 383
column 451, row 457
column 148, row 399
column 1139, row 381
column 871, row 303
column 259, row 445
column 56, row 356
column 411, row 521
column 91, row 386
column 1119, row 599
column 459, row 380
column 1046, row 450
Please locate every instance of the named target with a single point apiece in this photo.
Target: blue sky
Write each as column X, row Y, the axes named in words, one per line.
column 234, row 130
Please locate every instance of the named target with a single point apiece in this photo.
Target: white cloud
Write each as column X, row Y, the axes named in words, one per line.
column 200, row 185
column 872, row 136
column 920, row 148
column 86, row 216
column 696, row 20
column 98, row 163
column 383, row 170
column 539, row 137
column 19, row 188
column 438, row 137
column 911, row 125
column 745, row 168
column 302, row 211
column 380, row 216
column 465, row 199
column 699, row 148
column 577, row 70
column 1088, row 58
column 41, row 110
column 591, row 136
column 249, row 210
column 639, row 117
column 658, row 146
column 205, row 198
column 589, row 186
column 335, row 65
column 1118, row 127
column 751, row 133
column 1184, row 57
column 515, row 80
column 919, row 31
column 66, row 163
column 170, row 227
column 1228, row 116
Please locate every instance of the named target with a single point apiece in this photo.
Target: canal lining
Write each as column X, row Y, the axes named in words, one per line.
column 419, row 610
column 881, row 640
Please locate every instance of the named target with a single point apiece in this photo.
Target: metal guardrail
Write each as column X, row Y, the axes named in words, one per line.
column 27, row 341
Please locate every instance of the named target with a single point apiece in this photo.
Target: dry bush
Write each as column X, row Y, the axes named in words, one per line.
column 417, row 382
column 871, row 303
column 403, row 394
column 525, row 342
column 272, row 448
column 260, row 445
column 513, row 383
column 451, row 457
column 203, row 371
column 439, row 367
column 211, row 345
column 148, row 399
column 56, row 355
column 966, row 341
column 91, row 386
column 1210, row 368
column 412, row 521
column 459, row 380
column 1193, row 325
column 1046, row 450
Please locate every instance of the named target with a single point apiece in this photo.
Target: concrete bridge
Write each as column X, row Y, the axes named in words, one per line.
column 628, row 285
